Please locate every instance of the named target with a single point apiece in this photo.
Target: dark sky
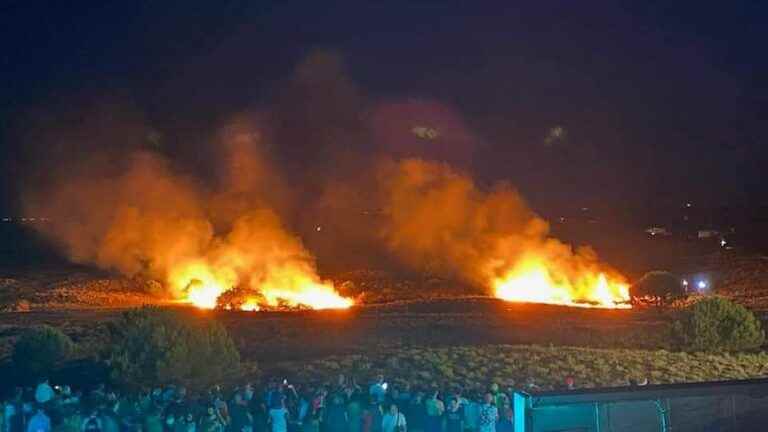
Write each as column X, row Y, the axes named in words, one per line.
column 662, row 102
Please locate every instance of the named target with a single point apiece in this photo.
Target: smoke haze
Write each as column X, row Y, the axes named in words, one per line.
column 361, row 189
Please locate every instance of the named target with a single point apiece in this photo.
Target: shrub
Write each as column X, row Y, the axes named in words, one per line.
column 39, row 350
column 657, row 287
column 718, row 324
column 151, row 346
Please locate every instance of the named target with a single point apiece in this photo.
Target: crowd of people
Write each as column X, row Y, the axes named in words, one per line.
column 278, row 406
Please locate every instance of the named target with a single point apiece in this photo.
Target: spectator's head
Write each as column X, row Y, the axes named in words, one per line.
column 570, row 383
column 454, row 404
column 211, row 411
column 393, row 409
column 494, row 388
column 488, row 398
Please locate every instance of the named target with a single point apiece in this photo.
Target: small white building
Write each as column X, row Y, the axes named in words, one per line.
column 657, row 231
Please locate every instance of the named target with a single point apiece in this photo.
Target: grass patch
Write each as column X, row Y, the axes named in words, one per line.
column 513, row 365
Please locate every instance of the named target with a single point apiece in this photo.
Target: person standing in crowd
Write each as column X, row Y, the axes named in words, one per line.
column 378, row 389
column 190, row 423
column 403, row 398
column 489, row 415
column 71, row 420
column 415, row 413
column 222, row 409
column 39, row 422
column 434, row 408
column 152, row 420
column 260, row 415
column 454, row 416
column 211, row 422
column 354, row 413
column 311, row 422
column 92, row 423
column 170, row 423
column 472, row 413
column 239, row 415
column 366, row 423
column 393, row 420
column 278, row 417
column 109, row 422
column 377, row 412
column 336, row 415
column 498, row 396
column 506, row 422
column 43, row 392
column 13, row 421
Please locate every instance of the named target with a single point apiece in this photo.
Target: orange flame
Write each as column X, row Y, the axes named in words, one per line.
column 533, row 280
column 198, row 284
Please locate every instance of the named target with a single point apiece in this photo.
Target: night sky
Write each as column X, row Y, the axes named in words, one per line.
column 661, row 102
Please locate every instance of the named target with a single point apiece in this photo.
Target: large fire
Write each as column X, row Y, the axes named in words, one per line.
column 536, row 281
column 200, row 285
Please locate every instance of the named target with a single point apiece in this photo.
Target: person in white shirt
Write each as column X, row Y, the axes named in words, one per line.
column 393, row 421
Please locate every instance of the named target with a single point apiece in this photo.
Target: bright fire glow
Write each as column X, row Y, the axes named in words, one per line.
column 287, row 286
column 290, row 286
column 533, row 280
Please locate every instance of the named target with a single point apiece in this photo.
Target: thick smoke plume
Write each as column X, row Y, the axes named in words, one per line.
column 142, row 218
column 356, row 179
column 437, row 218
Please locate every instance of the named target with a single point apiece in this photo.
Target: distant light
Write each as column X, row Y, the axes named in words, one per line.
column 702, row 284
column 688, row 204
column 685, row 282
column 723, row 242
column 318, row 228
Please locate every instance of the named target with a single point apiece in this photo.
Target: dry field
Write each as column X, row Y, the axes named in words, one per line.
column 424, row 331
column 276, row 336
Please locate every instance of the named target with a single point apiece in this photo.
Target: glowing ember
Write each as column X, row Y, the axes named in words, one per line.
column 532, row 280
